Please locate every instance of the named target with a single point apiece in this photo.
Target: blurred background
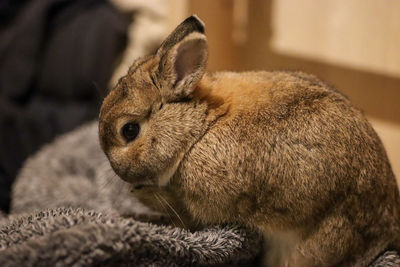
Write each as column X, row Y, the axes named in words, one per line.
column 58, row 58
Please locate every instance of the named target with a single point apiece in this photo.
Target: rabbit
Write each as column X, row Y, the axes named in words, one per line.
column 279, row 152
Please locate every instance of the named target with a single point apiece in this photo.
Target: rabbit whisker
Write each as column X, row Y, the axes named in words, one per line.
column 173, row 210
column 162, row 205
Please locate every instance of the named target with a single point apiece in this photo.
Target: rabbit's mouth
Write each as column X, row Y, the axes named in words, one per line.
column 142, row 186
column 139, row 186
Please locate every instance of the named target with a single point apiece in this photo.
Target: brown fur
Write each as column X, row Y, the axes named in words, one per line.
column 277, row 151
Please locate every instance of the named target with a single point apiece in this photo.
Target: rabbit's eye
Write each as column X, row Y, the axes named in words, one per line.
column 130, row 131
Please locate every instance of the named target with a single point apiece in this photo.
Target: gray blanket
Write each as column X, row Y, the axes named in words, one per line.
column 69, row 209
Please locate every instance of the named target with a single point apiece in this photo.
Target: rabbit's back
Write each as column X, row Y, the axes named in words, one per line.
column 288, row 152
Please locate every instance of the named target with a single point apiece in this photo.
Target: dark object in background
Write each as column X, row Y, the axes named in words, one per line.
column 56, row 58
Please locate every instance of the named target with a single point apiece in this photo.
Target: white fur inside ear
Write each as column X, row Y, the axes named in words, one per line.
column 190, row 57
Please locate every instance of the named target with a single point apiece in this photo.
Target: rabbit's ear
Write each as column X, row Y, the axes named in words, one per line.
column 189, row 25
column 183, row 59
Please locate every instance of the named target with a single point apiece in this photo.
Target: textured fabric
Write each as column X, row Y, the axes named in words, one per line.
column 70, row 209
column 86, row 238
column 387, row 259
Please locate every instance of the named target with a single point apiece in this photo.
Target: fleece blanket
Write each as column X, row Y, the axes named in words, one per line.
column 69, row 209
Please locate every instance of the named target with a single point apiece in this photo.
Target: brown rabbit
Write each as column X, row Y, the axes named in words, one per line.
column 280, row 152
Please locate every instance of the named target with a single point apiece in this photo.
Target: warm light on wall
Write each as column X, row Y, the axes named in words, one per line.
column 361, row 34
column 240, row 21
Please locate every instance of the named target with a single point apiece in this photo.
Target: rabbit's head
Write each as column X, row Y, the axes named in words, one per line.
column 149, row 120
